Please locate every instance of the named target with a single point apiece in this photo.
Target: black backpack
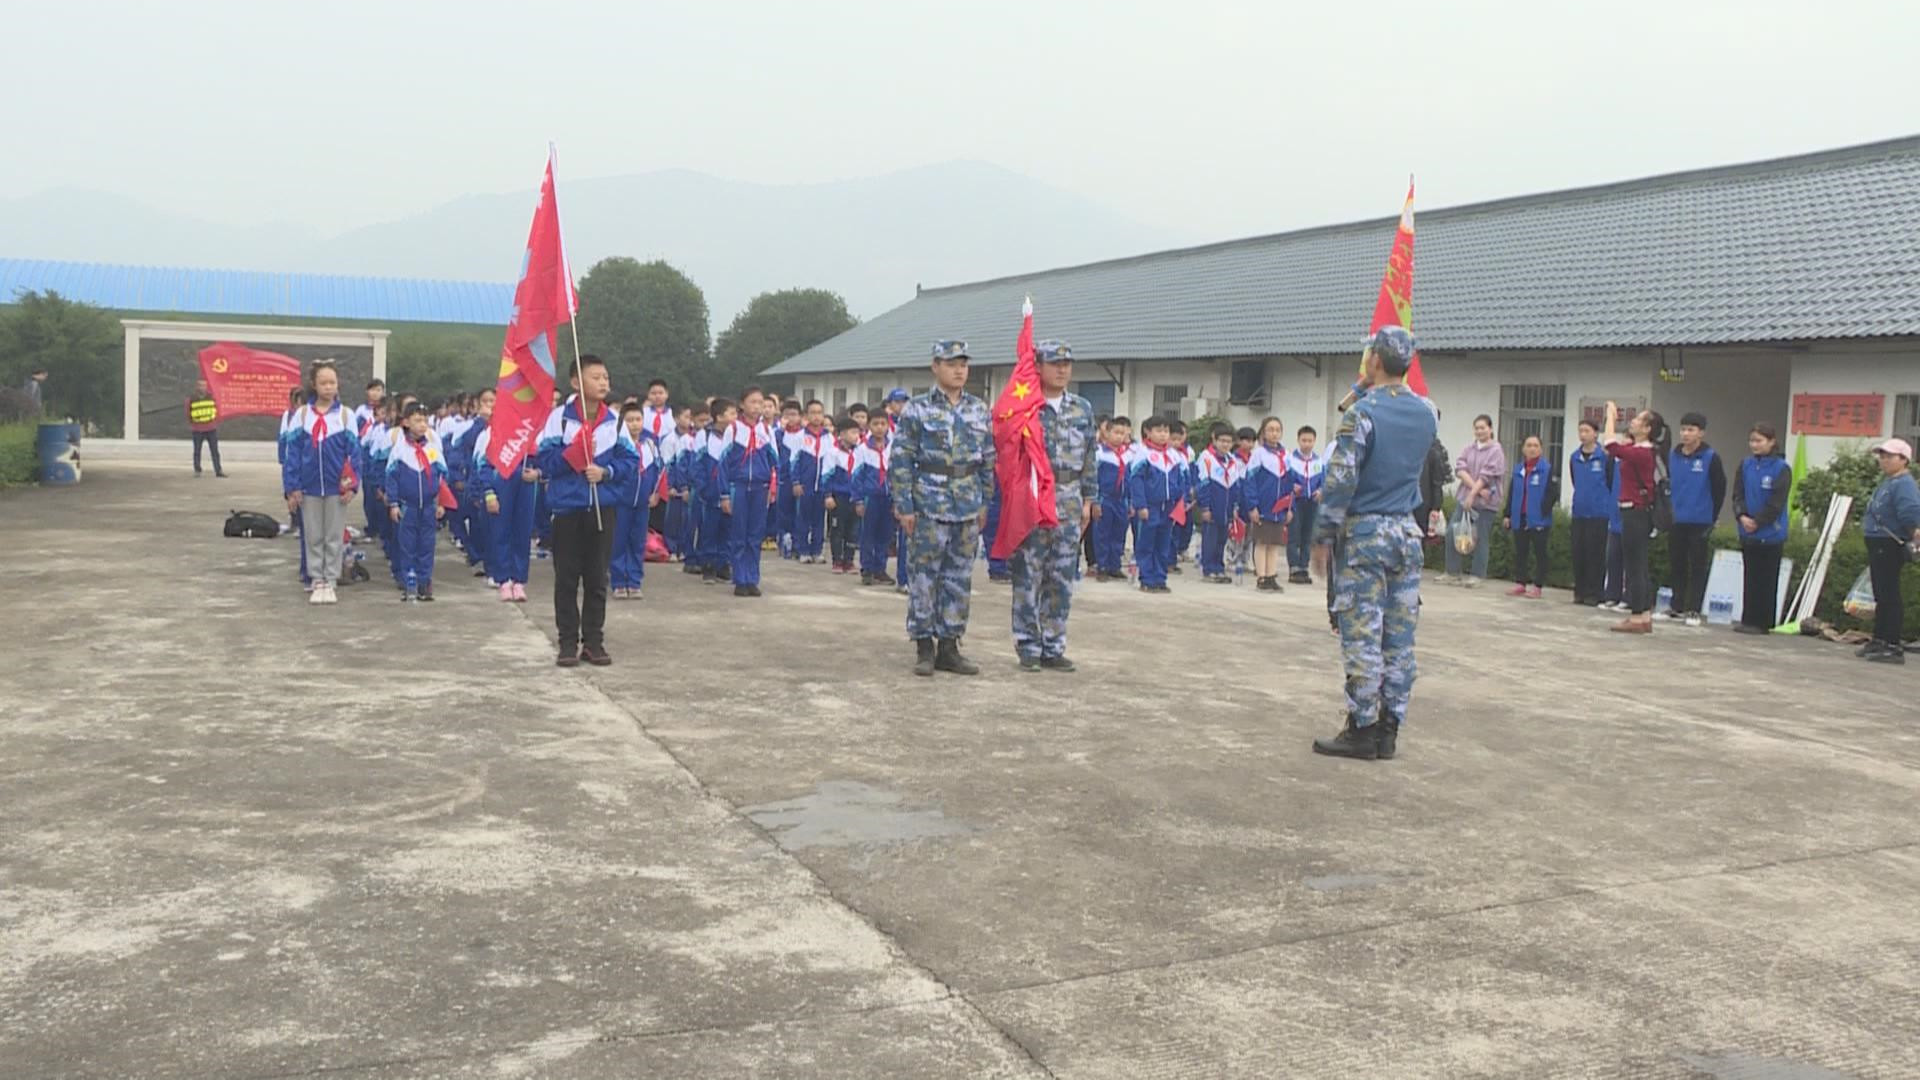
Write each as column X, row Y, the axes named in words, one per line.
column 1660, row 499
column 251, row 524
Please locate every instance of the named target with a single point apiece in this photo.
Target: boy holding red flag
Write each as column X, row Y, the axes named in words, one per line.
column 583, row 450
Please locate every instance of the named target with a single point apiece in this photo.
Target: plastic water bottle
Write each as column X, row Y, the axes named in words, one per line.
column 413, row 586
column 1663, row 600
column 1720, row 609
column 1239, row 571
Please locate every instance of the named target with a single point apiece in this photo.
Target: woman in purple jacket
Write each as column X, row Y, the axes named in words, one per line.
column 1482, row 473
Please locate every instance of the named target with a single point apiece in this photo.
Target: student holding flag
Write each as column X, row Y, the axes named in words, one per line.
column 583, row 451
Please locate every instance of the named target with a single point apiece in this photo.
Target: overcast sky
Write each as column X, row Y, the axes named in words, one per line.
column 1209, row 119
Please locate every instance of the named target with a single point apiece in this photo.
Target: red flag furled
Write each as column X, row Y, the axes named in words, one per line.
column 1022, row 467
column 1394, row 306
column 543, row 302
column 248, row 382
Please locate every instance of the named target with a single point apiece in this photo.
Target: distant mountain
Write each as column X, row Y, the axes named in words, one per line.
column 870, row 239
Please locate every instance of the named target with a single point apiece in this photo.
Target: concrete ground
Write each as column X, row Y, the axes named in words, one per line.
column 244, row 838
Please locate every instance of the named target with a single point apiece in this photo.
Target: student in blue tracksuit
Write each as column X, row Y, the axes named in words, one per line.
column 807, row 450
column 1112, row 461
column 1180, row 536
column 836, row 495
column 693, row 447
column 1309, row 468
column 786, row 506
column 1217, row 501
column 416, row 468
column 508, row 504
column 1533, row 490
column 1155, row 485
column 366, row 417
column 1267, row 497
column 1594, row 506
column 636, row 498
column 749, row 457
column 475, row 522
column 1699, row 484
column 716, row 521
column 295, row 398
column 318, row 478
column 585, row 455
column 873, row 500
column 452, row 432
column 1760, row 514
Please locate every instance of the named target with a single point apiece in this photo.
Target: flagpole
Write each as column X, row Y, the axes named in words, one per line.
column 573, row 328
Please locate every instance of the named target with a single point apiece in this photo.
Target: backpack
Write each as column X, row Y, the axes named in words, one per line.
column 248, row 523
column 1660, row 499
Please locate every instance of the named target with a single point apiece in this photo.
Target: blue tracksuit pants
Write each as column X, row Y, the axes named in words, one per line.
column 417, row 531
column 629, row 563
column 507, row 555
column 1153, row 547
column 1110, row 538
column 877, row 530
column 747, row 530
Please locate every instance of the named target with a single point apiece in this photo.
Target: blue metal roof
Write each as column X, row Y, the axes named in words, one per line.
column 253, row 292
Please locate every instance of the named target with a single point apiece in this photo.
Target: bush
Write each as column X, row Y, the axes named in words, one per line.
column 1197, row 431
column 18, row 461
column 1854, row 470
column 1849, row 559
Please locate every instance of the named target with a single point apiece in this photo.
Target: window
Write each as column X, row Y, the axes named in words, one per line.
column 840, row 401
column 1166, row 400
column 1533, row 410
column 1099, row 394
column 919, row 389
column 977, row 382
column 1247, row 383
column 1906, row 417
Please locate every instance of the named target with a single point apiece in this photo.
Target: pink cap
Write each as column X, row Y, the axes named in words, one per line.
column 1895, row 446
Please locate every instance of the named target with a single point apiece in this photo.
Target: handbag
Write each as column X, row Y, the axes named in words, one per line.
column 1464, row 535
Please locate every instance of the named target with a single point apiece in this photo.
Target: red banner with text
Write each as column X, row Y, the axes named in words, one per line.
column 248, row 382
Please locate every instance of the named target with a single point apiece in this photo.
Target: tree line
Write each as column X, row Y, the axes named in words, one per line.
column 646, row 320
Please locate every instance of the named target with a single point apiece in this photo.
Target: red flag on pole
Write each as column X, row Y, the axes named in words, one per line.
column 1022, row 467
column 542, row 303
column 1394, row 305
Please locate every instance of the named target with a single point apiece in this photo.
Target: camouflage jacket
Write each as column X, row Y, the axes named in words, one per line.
column 934, row 442
column 1070, row 449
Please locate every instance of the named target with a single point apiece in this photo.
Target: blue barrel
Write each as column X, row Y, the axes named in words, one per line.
column 59, row 453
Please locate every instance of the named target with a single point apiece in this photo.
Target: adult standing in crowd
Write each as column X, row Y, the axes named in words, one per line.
column 1373, row 483
column 1891, row 522
column 1699, row 491
column 203, row 416
column 1047, row 562
column 1481, row 470
column 1760, row 511
column 1592, row 512
column 941, row 466
column 1641, row 464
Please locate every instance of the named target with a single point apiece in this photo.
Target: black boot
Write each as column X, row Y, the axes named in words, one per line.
column 1385, row 734
column 1352, row 742
column 924, row 664
column 948, row 658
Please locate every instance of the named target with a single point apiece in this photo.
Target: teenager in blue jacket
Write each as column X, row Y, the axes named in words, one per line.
column 1593, row 509
column 317, row 477
column 1156, row 484
column 1533, row 490
column 582, row 468
column 1699, row 490
column 637, row 498
column 837, row 497
column 1113, row 461
column 1760, row 515
column 749, row 457
column 416, row 469
column 873, row 499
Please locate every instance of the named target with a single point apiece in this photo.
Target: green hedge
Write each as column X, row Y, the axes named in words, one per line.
column 1849, row 559
column 17, row 459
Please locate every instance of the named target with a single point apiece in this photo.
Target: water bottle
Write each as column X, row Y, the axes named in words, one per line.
column 1720, row 609
column 413, row 585
column 1239, row 571
column 1663, row 600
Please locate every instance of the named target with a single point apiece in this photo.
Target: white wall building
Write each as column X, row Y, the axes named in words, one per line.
column 1733, row 291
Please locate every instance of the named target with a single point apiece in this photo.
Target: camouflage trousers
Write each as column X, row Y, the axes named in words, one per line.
column 1376, row 601
column 1045, row 566
column 939, row 560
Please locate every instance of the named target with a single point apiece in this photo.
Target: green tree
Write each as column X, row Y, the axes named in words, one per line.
column 774, row 326
column 80, row 345
column 647, row 321
column 437, row 361
column 1854, row 470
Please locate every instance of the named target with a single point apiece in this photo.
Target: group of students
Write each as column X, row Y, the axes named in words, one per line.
column 1618, row 478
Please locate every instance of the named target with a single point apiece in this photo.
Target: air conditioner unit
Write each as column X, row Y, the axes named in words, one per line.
column 1193, row 408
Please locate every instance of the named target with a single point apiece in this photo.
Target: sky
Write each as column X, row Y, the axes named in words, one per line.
column 1210, row 120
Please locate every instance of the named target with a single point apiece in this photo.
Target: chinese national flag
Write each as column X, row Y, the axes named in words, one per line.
column 543, row 302
column 1023, row 469
column 1394, row 306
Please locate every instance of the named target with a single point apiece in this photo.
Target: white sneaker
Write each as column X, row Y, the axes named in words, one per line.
column 316, row 594
column 332, row 596
column 1469, row 582
column 1694, row 621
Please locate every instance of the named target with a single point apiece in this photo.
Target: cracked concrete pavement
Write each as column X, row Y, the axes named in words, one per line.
column 249, row 839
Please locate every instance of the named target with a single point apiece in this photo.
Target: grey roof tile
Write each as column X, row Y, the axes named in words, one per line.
column 1817, row 246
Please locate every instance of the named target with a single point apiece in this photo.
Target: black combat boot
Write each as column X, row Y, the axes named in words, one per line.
column 1352, row 742
column 924, row 664
column 1385, row 734
column 948, row 658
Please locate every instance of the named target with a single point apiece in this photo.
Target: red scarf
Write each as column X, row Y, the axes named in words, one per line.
column 1526, row 470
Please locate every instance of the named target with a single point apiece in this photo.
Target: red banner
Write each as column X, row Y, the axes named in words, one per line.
column 1849, row 415
column 1394, row 305
column 248, row 382
column 543, row 302
column 1021, row 465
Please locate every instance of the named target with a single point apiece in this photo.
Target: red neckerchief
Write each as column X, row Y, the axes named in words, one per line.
column 319, row 427
column 882, row 455
column 420, row 454
column 1526, row 470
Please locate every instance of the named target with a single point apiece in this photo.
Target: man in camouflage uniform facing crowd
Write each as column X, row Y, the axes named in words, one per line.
column 1047, row 562
column 1372, row 485
column 941, row 467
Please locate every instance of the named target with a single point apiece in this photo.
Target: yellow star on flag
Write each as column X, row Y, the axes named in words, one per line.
column 1021, row 390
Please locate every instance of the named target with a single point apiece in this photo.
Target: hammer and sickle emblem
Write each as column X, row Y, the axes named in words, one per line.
column 220, row 365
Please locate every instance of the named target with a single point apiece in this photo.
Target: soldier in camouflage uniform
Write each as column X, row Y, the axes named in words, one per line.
column 1372, row 485
column 942, row 478
column 1047, row 562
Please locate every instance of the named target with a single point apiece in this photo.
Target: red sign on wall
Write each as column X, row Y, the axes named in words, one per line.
column 1853, row 415
column 248, row 382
